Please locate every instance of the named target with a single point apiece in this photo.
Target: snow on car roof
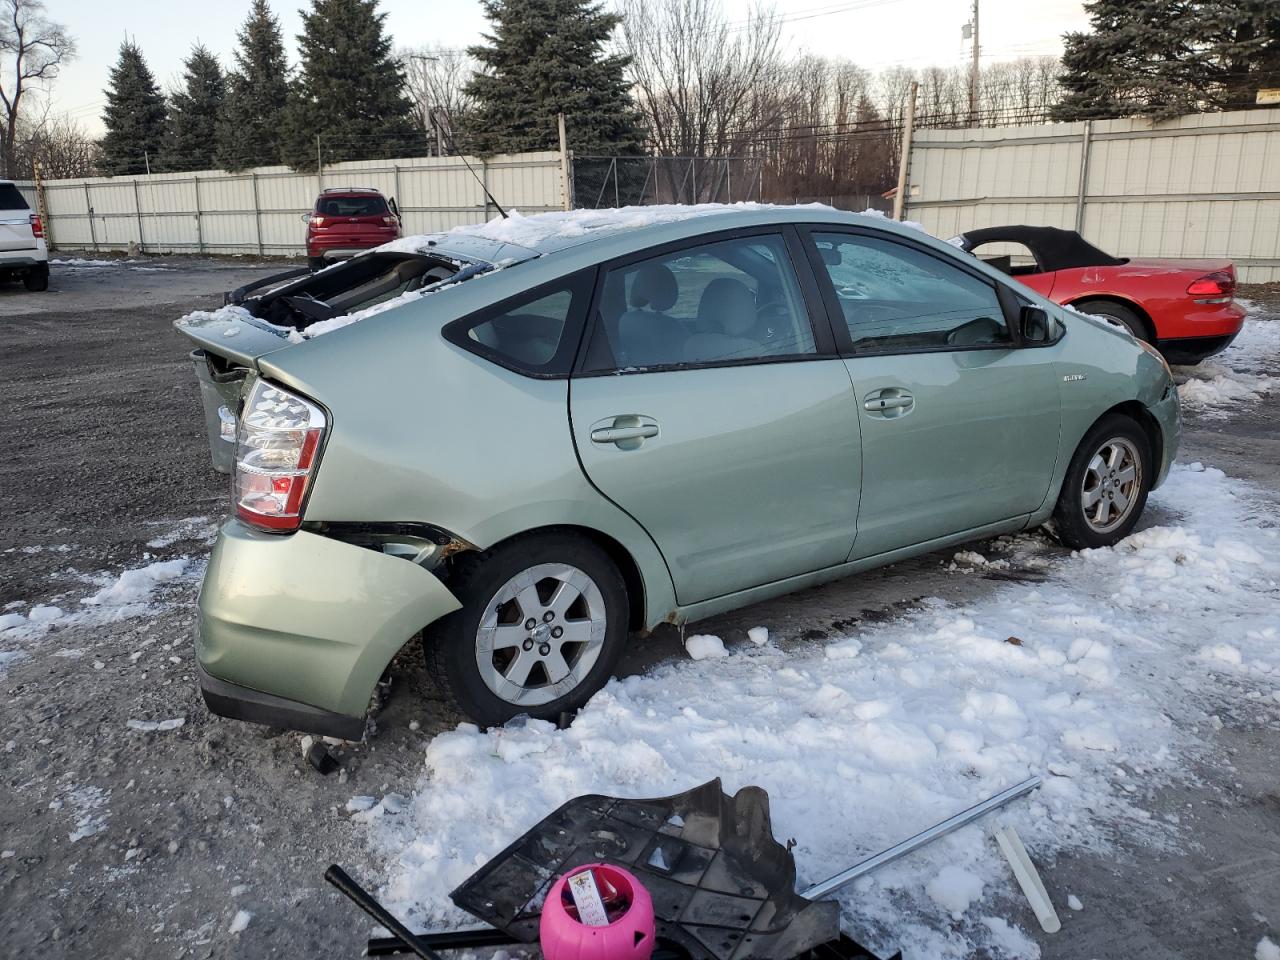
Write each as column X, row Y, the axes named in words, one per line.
column 542, row 233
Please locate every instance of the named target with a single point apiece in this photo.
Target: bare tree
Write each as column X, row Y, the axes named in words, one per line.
column 703, row 84
column 32, row 48
column 436, row 79
column 61, row 147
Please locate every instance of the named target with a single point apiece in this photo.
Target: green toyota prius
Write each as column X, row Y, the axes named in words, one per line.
column 525, row 442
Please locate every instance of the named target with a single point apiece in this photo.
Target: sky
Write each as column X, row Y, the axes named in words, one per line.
column 872, row 33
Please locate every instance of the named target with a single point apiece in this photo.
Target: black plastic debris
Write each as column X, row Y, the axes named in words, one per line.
column 723, row 888
column 318, row 756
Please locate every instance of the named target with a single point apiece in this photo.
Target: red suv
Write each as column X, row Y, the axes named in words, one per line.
column 347, row 220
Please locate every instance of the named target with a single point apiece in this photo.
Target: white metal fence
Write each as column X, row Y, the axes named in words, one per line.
column 259, row 211
column 1201, row 186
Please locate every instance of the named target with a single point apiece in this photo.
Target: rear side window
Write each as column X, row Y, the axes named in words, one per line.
column 351, row 206
column 11, row 198
column 536, row 333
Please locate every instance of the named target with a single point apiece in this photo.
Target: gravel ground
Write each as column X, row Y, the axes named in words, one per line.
column 136, row 843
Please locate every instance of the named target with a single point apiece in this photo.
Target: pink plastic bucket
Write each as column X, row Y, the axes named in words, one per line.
column 629, row 934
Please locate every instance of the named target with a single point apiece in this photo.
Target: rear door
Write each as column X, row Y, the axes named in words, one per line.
column 15, row 220
column 712, row 410
column 959, row 421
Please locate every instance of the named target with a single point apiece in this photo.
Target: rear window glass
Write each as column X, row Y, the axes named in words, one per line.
column 11, row 198
column 351, row 206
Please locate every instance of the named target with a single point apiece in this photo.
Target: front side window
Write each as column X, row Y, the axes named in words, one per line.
column 723, row 302
column 536, row 334
column 896, row 298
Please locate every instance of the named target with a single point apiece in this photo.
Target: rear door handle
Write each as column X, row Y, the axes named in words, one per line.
column 889, row 402
column 626, row 431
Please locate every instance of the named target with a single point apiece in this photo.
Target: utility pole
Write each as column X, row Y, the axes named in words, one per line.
column 566, row 181
column 971, row 30
column 904, row 162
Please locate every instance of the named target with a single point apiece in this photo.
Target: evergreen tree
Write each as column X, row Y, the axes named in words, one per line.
column 135, row 116
column 250, row 131
column 194, row 112
column 1162, row 58
column 546, row 57
column 349, row 90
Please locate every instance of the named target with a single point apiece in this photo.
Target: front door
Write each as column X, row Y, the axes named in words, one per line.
column 959, row 421
column 710, row 413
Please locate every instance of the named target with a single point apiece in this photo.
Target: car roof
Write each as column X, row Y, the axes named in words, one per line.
column 618, row 231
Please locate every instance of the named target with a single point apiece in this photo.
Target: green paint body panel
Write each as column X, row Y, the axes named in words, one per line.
column 309, row 618
column 763, row 478
column 753, row 476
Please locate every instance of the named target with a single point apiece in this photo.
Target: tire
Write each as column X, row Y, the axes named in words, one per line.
column 1119, row 314
column 1098, row 506
column 497, row 607
column 37, row 280
column 316, row 263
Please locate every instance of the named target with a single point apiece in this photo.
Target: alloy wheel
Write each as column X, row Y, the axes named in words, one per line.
column 1111, row 484
column 541, row 634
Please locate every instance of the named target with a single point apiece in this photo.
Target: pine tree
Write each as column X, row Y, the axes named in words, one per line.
column 194, row 113
column 349, row 91
column 135, row 116
column 250, row 132
column 546, row 57
column 1162, row 58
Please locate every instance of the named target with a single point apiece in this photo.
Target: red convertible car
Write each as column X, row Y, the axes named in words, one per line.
column 1185, row 308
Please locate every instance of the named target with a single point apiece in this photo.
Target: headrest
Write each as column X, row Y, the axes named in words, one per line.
column 727, row 306
column 654, row 287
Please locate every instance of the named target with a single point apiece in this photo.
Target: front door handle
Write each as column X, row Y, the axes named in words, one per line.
column 889, row 402
column 626, row 431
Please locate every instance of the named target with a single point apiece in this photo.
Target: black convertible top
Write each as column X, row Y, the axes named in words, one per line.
column 1053, row 249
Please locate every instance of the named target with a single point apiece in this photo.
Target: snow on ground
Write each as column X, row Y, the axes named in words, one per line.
column 866, row 740
column 124, row 596
column 1238, row 374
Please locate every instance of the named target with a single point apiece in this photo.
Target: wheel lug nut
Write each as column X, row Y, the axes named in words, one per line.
column 545, row 649
column 548, row 616
column 530, row 623
column 527, row 645
column 557, row 632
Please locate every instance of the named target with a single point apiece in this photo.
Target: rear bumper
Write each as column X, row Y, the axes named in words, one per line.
column 296, row 630
column 348, row 246
column 1191, row 350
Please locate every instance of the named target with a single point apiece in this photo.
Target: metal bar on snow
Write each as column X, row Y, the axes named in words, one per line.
column 832, row 884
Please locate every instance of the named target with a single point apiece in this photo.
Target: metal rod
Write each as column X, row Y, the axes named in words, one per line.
column 362, row 899
column 832, row 884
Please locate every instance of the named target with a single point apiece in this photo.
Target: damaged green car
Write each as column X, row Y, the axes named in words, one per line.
column 524, row 443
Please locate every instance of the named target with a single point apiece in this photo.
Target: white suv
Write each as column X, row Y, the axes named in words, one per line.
column 22, row 249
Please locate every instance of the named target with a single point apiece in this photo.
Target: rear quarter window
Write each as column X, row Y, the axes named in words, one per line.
column 535, row 333
column 11, row 198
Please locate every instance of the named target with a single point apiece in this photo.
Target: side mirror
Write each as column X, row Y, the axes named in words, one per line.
column 306, row 218
column 1036, row 325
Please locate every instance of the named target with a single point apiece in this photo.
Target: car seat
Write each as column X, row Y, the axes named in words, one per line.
column 647, row 335
column 726, row 319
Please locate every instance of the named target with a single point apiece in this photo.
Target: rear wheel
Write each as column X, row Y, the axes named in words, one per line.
column 1106, row 486
column 542, row 624
column 37, row 280
column 316, row 263
column 1118, row 314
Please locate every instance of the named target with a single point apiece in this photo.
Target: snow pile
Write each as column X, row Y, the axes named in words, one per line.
column 1237, row 375
column 122, row 597
column 909, row 722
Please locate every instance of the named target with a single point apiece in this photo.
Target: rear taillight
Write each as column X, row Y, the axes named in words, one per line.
column 277, row 447
column 316, row 220
column 390, row 221
column 1216, row 287
column 37, row 226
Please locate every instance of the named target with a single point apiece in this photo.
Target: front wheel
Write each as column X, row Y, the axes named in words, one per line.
column 542, row 624
column 1106, row 485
